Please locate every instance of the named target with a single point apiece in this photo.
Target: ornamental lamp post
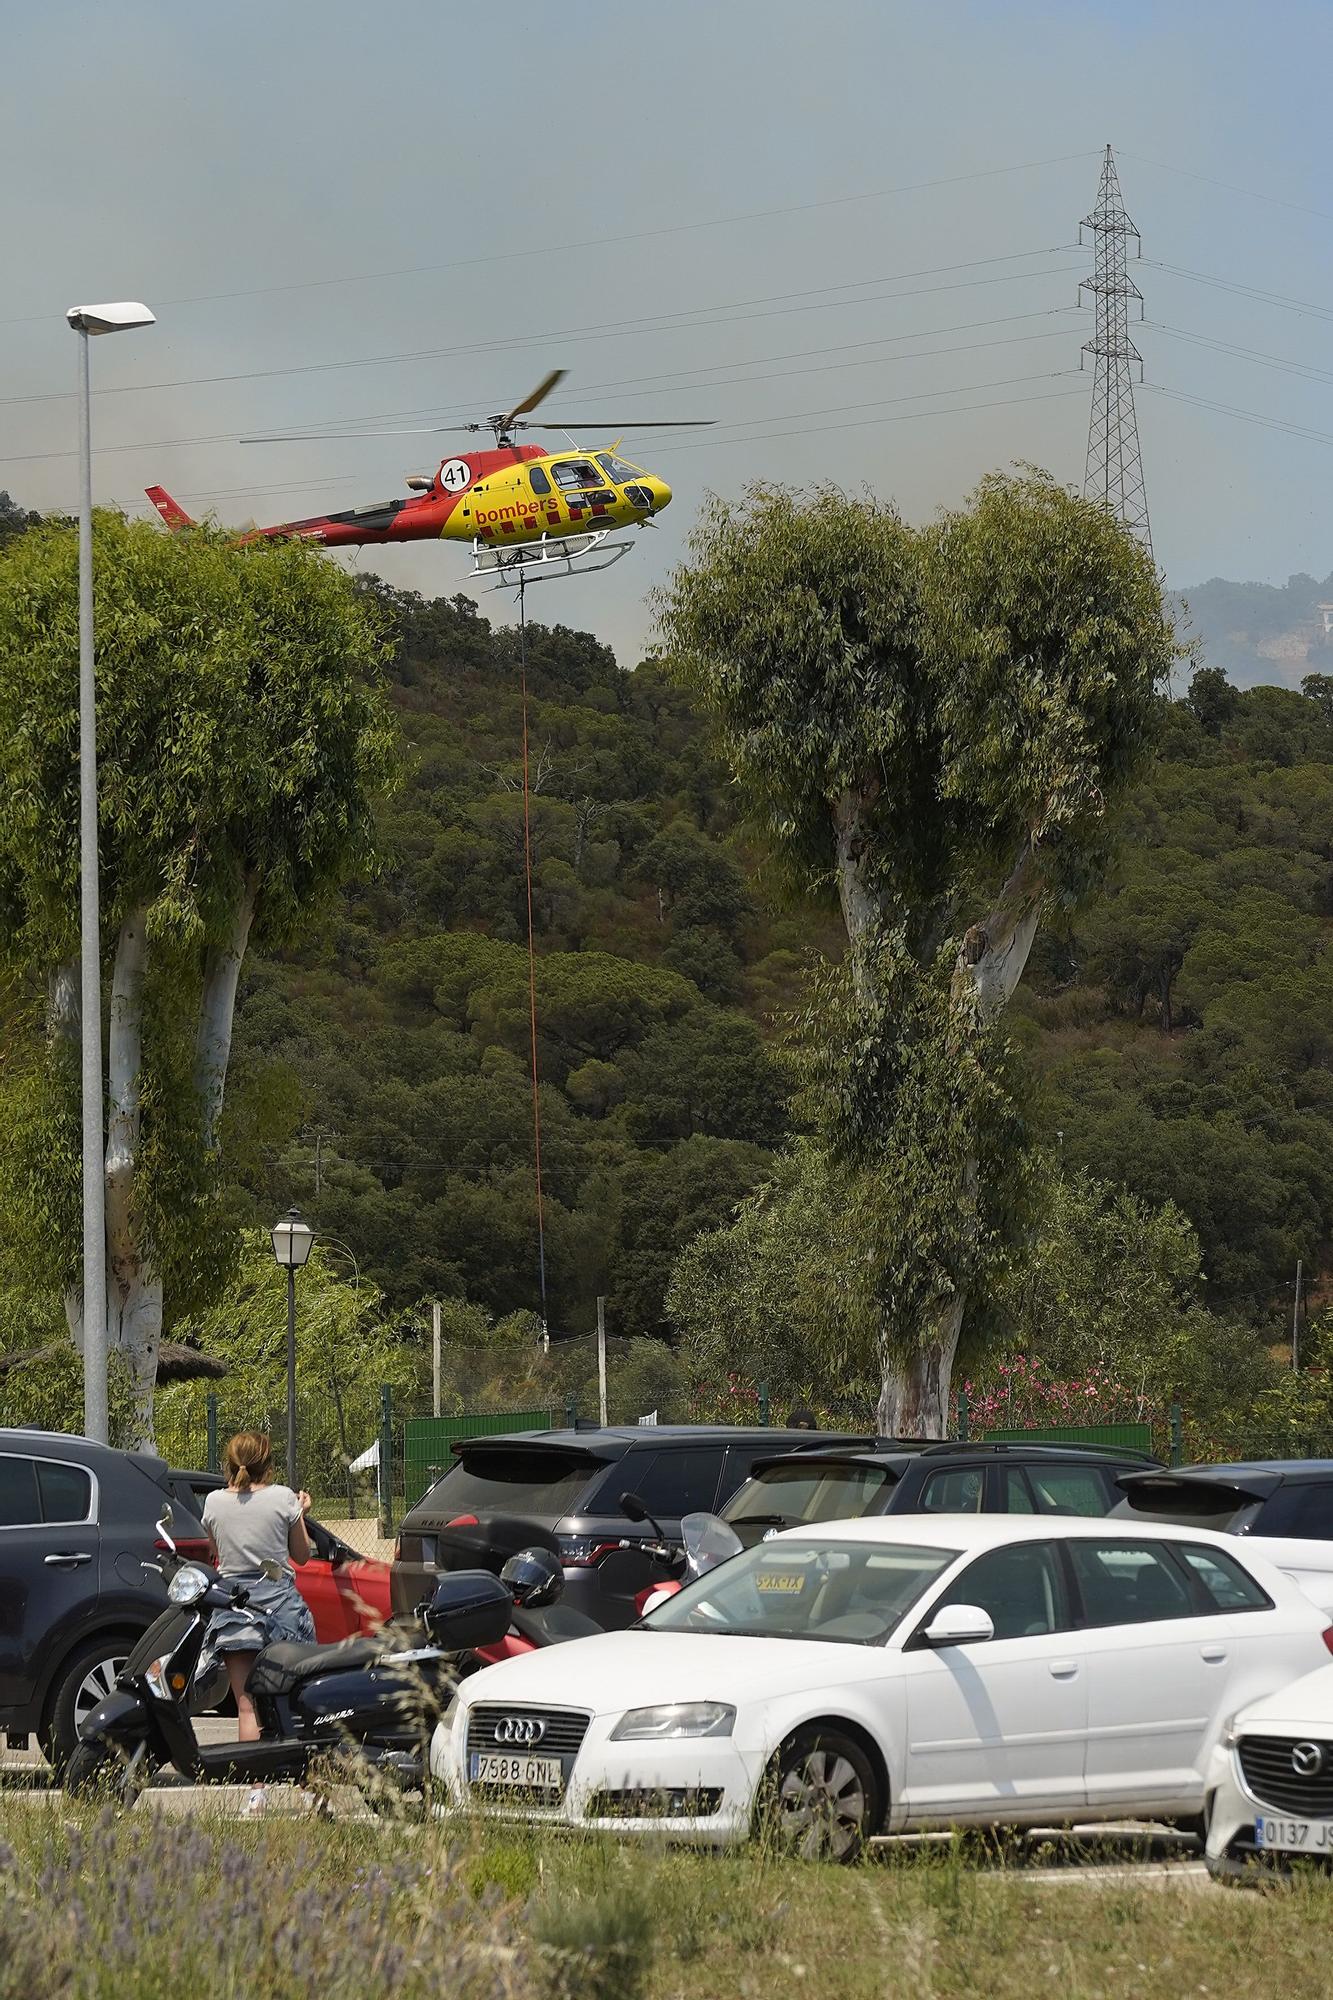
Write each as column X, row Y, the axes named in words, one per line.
column 292, row 1241
column 88, row 321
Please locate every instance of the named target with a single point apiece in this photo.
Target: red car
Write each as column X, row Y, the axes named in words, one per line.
column 347, row 1593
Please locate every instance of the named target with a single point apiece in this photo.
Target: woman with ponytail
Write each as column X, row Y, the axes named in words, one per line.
column 252, row 1521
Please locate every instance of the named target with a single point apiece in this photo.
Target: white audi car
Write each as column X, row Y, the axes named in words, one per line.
column 1270, row 1781
column 894, row 1673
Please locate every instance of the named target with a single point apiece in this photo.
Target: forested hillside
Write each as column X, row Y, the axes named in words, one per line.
column 1181, row 1030
column 1178, row 1031
column 396, row 1055
column 1261, row 632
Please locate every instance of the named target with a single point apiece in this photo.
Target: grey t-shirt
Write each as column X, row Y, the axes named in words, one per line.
column 250, row 1527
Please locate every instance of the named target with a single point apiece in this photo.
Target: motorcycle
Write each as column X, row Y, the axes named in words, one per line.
column 535, row 1580
column 705, row 1542
column 374, row 1698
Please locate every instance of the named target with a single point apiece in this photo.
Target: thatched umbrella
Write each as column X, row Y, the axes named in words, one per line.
column 175, row 1361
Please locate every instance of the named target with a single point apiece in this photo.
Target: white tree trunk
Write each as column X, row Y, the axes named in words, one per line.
column 134, row 1290
column 914, row 1394
column 861, row 909
column 64, row 1014
column 222, row 972
column 134, row 1294
column 916, row 1386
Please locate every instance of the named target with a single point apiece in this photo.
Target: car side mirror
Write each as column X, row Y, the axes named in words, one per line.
column 959, row 1625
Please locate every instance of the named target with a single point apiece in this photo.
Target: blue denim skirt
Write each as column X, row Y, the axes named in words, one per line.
column 275, row 1611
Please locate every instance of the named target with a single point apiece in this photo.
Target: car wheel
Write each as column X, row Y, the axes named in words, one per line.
column 87, row 1680
column 820, row 1799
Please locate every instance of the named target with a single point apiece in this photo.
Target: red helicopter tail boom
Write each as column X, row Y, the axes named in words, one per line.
column 171, row 510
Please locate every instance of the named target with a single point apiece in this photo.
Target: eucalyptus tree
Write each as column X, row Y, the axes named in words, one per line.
column 933, row 725
column 242, row 739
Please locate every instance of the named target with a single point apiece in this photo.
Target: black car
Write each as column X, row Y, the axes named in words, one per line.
column 561, row 1489
column 916, row 1478
column 77, row 1522
column 1277, row 1498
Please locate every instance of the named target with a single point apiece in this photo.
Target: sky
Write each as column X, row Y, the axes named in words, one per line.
column 845, row 230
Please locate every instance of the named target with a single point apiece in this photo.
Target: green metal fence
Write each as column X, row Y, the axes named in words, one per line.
column 428, row 1442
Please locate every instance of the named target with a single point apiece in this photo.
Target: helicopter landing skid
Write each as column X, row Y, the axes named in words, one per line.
column 552, row 556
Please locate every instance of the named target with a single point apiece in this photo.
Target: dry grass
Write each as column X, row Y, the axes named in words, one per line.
column 149, row 1908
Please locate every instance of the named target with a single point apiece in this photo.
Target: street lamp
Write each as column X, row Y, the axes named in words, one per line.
column 87, row 321
column 292, row 1238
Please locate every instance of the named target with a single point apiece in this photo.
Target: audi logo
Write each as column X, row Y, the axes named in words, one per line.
column 525, row 1729
column 1307, row 1759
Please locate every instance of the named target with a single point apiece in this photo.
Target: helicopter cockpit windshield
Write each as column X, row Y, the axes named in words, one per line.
column 617, row 470
column 574, row 474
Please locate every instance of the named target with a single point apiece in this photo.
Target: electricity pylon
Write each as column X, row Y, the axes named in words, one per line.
column 1115, row 464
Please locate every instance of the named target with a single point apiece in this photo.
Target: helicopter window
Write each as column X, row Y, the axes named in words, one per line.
column 540, row 483
column 616, row 469
column 572, row 474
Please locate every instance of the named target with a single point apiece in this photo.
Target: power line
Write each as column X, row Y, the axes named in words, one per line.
column 870, row 423
column 757, row 437
column 1245, row 416
column 589, row 242
column 1228, row 187
column 929, row 354
column 340, row 426
column 1243, row 291
column 729, row 313
column 1284, row 364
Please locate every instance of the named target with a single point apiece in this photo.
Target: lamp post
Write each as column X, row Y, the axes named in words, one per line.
column 86, row 322
column 292, row 1238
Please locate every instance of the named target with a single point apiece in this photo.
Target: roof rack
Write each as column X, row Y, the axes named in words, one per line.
column 1002, row 1445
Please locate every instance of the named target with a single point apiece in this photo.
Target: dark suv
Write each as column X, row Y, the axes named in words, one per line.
column 910, row 1478
column 562, row 1489
column 76, row 1525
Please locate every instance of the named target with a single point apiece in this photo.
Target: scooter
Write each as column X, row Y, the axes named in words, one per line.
column 372, row 1698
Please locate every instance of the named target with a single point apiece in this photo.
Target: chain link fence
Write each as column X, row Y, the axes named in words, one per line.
column 367, row 1453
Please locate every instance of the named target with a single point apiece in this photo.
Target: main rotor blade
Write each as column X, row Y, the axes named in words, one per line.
column 542, row 390
column 624, row 424
column 294, row 437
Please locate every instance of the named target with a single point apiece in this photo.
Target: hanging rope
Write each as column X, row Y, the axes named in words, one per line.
column 532, row 957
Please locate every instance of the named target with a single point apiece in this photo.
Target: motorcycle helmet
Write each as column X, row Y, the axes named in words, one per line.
column 534, row 1578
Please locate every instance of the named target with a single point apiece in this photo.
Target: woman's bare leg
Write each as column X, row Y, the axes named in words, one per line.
column 238, row 1673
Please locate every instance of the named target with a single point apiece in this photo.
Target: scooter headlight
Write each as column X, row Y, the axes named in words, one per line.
column 188, row 1585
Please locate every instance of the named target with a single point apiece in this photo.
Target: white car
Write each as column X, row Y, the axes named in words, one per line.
column 1284, row 1507
column 894, row 1673
column 1270, row 1782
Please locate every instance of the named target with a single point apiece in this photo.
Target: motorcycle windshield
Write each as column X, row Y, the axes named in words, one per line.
column 708, row 1542
column 162, row 1637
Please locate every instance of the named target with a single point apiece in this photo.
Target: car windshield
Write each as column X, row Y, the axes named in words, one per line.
column 513, row 1482
column 808, row 1493
column 850, row 1593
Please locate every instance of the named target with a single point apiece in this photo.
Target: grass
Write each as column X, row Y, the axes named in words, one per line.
column 147, row 1907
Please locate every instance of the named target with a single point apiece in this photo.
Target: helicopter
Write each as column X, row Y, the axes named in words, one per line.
column 528, row 512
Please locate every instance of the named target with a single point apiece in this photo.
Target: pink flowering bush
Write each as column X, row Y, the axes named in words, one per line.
column 1018, row 1396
